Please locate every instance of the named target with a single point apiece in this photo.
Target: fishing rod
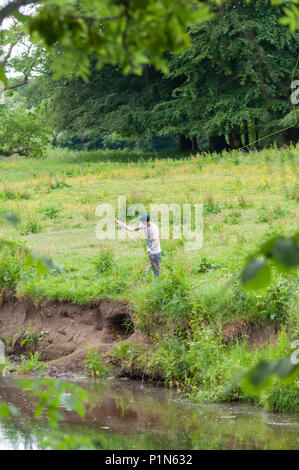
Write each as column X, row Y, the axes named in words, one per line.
column 120, row 224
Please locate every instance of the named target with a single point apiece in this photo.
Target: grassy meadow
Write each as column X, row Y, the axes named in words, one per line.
column 247, row 198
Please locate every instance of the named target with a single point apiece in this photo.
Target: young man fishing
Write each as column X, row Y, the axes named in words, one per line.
column 151, row 233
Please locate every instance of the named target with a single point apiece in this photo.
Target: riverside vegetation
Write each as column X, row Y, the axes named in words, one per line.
column 247, row 199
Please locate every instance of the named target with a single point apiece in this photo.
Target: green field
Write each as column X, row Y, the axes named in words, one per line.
column 247, row 198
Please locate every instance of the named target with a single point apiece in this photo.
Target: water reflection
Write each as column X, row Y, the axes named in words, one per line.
column 132, row 415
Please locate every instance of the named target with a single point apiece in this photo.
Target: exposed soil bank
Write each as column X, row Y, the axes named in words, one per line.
column 256, row 334
column 62, row 332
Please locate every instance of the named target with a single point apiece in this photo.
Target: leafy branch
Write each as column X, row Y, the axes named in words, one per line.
column 284, row 254
column 279, row 251
column 13, row 7
column 42, row 263
column 49, row 397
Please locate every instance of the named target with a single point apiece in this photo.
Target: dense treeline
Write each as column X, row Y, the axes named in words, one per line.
column 228, row 89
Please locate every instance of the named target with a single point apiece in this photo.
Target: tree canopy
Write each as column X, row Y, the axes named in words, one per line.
column 217, row 72
column 131, row 33
column 231, row 86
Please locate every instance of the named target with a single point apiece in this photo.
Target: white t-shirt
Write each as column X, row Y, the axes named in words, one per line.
column 151, row 233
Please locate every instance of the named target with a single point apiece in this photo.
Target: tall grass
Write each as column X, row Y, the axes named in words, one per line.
column 247, row 198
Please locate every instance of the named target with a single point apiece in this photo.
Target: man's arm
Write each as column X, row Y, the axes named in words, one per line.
column 127, row 227
column 156, row 241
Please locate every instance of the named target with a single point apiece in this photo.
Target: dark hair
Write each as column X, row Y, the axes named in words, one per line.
column 144, row 218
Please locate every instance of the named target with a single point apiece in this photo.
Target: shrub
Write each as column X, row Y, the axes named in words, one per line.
column 263, row 218
column 31, row 338
column 243, row 203
column 51, row 212
column 205, row 349
column 220, row 303
column 59, row 185
column 23, row 131
column 214, row 380
column 118, row 281
column 282, row 397
column 206, row 265
column 169, row 361
column 233, row 218
column 10, row 194
column 210, row 206
column 127, row 354
column 95, row 365
column 104, row 261
column 31, row 226
column 275, row 301
column 165, row 303
column 279, row 212
column 292, row 193
column 10, row 269
column 32, row 364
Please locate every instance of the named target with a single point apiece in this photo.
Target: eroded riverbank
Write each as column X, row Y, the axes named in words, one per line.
column 62, row 332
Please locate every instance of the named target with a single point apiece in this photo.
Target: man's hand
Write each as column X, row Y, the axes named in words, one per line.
column 121, row 224
column 148, row 250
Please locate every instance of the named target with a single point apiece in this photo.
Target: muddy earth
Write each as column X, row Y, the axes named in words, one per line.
column 63, row 332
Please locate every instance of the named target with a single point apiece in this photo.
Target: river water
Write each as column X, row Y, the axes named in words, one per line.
column 128, row 414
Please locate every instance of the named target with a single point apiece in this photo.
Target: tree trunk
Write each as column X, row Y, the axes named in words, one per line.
column 246, row 133
column 217, row 143
column 256, row 134
column 235, row 140
column 184, row 143
column 292, row 135
column 194, row 143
